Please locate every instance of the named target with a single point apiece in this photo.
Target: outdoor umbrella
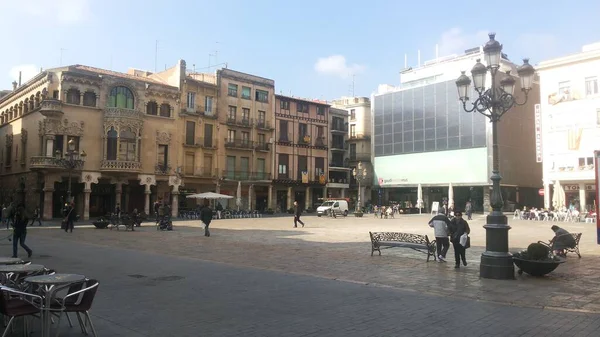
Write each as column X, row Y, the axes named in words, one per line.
column 420, row 198
column 558, row 197
column 238, row 200
column 450, row 196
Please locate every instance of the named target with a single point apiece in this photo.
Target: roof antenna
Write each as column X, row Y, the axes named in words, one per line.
column 19, row 78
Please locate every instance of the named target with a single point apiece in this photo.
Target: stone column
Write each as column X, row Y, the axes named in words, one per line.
column 86, row 204
column 546, row 194
column 307, row 198
column 218, row 187
column 175, row 204
column 270, row 198
column 582, row 198
column 119, row 193
column 48, row 204
column 342, row 192
column 325, row 196
column 290, row 195
column 250, row 196
column 147, row 193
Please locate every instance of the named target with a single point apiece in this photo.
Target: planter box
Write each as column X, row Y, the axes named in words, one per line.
column 358, row 214
column 536, row 268
column 100, row 224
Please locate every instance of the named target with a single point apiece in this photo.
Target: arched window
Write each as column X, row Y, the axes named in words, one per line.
column 73, row 96
column 152, row 108
column 31, row 102
column 120, row 97
column 38, row 99
column 89, row 99
column 127, row 145
column 165, row 110
column 111, row 144
column 26, row 106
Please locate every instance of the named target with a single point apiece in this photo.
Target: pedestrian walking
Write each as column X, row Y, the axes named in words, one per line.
column 20, row 232
column 297, row 213
column 36, row 216
column 458, row 227
column 70, row 217
column 206, row 215
column 440, row 224
column 469, row 210
column 157, row 205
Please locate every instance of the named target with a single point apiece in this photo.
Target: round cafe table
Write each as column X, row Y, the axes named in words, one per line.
column 47, row 283
column 21, row 268
column 10, row 260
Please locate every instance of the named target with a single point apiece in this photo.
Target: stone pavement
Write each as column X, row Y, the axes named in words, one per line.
column 161, row 294
column 339, row 249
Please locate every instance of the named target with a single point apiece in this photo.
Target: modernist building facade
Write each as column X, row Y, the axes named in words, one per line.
column 339, row 165
column 359, row 141
column 570, row 126
column 126, row 124
column 302, row 138
column 423, row 136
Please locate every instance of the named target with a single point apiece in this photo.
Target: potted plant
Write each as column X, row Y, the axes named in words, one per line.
column 100, row 223
column 536, row 260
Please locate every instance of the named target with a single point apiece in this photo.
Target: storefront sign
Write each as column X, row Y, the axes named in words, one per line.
column 590, row 187
column 571, row 188
column 538, row 133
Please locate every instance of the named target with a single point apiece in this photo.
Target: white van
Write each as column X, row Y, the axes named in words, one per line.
column 339, row 206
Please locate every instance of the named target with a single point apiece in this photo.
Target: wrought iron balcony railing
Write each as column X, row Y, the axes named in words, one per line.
column 238, row 143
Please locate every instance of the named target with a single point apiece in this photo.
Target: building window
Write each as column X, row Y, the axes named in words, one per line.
column 152, row 108
column 89, row 99
column 302, row 131
column 232, row 90
column 246, row 93
column 191, row 100
column 283, row 131
column 352, row 114
column 231, row 113
column 165, row 110
column 262, row 116
column 111, row 144
column 55, row 95
column 261, row 139
column 162, row 156
column 245, row 114
column 283, row 166
column 127, row 146
column 284, row 105
column 260, row 169
column 208, row 135
column 319, row 167
column 353, row 130
column 230, row 136
column 190, row 133
column 302, row 166
column 189, row 163
column 208, row 105
column 230, row 174
column 245, row 137
column 321, row 110
column 73, row 96
column 591, row 86
column 300, row 107
column 262, row 96
column 564, row 90
column 244, row 167
column 121, row 97
column 352, row 151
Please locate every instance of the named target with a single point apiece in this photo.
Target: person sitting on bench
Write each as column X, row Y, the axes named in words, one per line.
column 561, row 240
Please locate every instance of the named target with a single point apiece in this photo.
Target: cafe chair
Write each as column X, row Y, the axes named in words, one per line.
column 78, row 302
column 14, row 304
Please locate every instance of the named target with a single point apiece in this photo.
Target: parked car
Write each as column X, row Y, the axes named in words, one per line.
column 338, row 206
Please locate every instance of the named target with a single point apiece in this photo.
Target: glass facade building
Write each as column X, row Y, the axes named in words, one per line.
column 425, row 119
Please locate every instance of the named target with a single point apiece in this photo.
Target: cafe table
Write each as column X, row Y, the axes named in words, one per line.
column 48, row 284
column 19, row 269
column 10, row 260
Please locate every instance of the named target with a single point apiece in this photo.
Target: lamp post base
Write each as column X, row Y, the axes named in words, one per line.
column 496, row 261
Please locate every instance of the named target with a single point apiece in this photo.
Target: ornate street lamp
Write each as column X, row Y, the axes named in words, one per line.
column 493, row 103
column 361, row 176
column 71, row 162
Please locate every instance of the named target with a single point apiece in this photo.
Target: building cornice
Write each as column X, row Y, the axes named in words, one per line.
column 592, row 55
column 31, row 85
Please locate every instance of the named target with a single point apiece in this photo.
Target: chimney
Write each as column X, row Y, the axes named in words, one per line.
column 19, row 78
column 14, row 83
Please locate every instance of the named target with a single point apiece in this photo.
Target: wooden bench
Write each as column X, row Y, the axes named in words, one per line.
column 420, row 243
column 575, row 249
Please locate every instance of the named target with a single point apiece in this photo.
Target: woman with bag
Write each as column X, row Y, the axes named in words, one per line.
column 458, row 228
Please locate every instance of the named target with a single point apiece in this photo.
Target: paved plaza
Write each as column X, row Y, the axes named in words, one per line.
column 261, row 277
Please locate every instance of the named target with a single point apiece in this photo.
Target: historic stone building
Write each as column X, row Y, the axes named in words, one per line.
column 125, row 123
column 301, row 152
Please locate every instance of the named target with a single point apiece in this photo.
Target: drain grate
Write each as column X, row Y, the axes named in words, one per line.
column 168, row 278
column 137, row 276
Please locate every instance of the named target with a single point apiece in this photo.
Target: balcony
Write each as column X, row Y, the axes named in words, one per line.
column 206, row 143
column 360, row 156
column 304, row 140
column 339, row 164
column 284, row 138
column 243, row 144
column 338, row 146
column 339, row 128
column 244, row 122
column 264, row 125
column 122, row 113
column 245, row 175
column 359, row 137
column 202, row 172
column 51, row 108
column 42, row 162
column 120, row 166
column 162, row 169
column 320, row 142
column 264, row 147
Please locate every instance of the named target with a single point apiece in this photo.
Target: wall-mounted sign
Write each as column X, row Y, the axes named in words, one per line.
column 569, row 188
column 538, row 134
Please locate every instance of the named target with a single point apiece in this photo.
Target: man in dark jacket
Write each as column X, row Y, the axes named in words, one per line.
column 458, row 227
column 20, row 224
column 297, row 213
column 206, row 215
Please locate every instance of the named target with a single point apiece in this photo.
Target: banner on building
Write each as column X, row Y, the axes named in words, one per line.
column 305, row 177
column 538, row 134
column 322, row 179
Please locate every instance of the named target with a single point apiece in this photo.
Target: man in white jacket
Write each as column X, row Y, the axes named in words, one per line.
column 440, row 224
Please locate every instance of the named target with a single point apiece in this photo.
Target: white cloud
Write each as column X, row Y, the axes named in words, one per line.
column 64, row 12
column 455, row 41
column 28, row 71
column 336, row 65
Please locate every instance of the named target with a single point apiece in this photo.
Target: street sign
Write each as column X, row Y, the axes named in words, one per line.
column 541, row 192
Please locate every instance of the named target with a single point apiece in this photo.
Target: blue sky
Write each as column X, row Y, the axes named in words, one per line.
column 310, row 48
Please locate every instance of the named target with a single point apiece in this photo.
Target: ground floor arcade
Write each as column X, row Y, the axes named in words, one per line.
column 580, row 194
